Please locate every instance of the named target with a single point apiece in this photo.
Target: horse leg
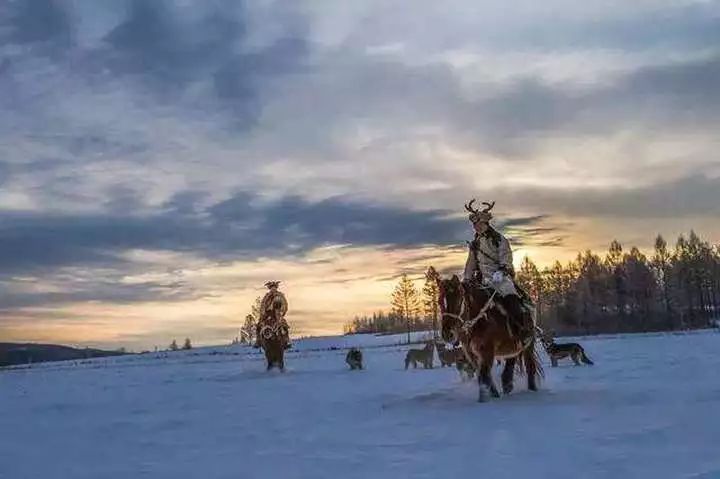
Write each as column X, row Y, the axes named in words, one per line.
column 485, row 380
column 268, row 360
column 508, row 374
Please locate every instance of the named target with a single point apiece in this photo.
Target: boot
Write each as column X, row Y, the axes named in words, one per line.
column 517, row 315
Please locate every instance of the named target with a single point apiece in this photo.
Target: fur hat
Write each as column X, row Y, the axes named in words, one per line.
column 479, row 216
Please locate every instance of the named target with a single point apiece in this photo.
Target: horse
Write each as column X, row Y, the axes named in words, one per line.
column 272, row 341
column 468, row 316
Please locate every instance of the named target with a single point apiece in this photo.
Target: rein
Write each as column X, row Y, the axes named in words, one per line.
column 468, row 324
column 482, row 314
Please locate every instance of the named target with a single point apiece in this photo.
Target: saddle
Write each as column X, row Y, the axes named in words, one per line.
column 494, row 302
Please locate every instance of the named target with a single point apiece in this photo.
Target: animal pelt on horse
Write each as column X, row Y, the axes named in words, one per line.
column 482, row 329
column 423, row 356
column 273, row 333
column 354, row 358
column 557, row 351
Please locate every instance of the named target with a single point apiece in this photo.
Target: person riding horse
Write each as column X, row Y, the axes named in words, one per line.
column 490, row 260
column 273, row 308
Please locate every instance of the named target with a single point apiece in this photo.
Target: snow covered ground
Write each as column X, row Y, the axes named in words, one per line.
column 650, row 407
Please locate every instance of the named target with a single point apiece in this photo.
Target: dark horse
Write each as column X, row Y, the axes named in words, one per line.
column 272, row 340
column 469, row 318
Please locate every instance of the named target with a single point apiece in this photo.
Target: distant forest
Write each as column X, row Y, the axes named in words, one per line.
column 627, row 291
column 622, row 291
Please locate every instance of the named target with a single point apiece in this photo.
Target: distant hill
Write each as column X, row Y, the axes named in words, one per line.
column 17, row 353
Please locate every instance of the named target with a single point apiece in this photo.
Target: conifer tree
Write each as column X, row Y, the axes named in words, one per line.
column 405, row 301
column 430, row 302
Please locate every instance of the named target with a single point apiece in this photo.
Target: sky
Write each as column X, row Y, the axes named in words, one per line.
column 159, row 161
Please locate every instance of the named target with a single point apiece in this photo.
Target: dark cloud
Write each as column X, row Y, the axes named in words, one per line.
column 233, row 228
column 239, row 227
column 513, row 120
column 45, row 22
column 695, row 195
column 172, row 54
column 98, row 290
column 199, row 58
column 84, row 253
column 518, row 119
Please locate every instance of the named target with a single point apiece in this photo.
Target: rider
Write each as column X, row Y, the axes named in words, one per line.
column 273, row 300
column 490, row 255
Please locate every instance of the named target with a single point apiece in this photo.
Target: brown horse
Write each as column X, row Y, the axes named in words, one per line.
column 470, row 318
column 272, row 341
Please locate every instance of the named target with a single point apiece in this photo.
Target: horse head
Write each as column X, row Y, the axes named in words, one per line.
column 451, row 299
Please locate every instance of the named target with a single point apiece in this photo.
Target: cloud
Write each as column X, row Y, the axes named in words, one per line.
column 237, row 227
column 694, row 195
column 113, row 292
column 41, row 22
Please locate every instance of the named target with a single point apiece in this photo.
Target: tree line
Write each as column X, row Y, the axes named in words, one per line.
column 673, row 288
column 411, row 310
column 624, row 291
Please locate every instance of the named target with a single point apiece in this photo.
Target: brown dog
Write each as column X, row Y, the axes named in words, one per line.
column 423, row 356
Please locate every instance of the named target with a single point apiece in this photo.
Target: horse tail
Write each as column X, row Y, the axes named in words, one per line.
column 534, row 359
column 530, row 360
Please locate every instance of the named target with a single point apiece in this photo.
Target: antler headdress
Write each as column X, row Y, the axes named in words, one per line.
column 476, row 215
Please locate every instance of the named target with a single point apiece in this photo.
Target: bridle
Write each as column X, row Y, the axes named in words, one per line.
column 467, row 324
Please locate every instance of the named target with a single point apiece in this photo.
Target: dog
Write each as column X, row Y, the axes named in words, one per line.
column 423, row 356
column 557, row 351
column 354, row 359
column 447, row 356
column 463, row 366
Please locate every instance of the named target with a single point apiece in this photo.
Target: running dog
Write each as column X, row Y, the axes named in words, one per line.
column 354, row 359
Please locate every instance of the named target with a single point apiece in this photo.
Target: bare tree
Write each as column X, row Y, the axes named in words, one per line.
column 247, row 331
